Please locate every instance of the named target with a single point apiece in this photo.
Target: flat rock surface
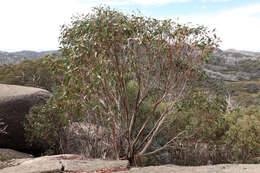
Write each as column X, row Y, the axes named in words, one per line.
column 92, row 165
column 222, row 168
column 71, row 163
column 15, row 90
column 59, row 163
column 8, row 154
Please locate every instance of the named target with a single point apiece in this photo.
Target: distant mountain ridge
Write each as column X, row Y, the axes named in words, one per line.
column 234, row 65
column 16, row 57
column 231, row 56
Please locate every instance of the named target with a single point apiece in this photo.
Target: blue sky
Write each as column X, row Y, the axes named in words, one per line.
column 35, row 24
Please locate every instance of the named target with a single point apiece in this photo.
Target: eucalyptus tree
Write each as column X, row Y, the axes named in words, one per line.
column 108, row 52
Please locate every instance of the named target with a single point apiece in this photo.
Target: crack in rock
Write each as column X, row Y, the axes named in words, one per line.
column 62, row 166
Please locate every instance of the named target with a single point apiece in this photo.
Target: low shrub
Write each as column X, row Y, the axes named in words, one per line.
column 243, row 134
column 201, row 119
column 60, row 130
column 45, row 125
column 213, row 134
column 201, row 115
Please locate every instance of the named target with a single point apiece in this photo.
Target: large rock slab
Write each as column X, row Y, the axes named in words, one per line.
column 7, row 155
column 222, row 168
column 63, row 163
column 77, row 164
column 15, row 102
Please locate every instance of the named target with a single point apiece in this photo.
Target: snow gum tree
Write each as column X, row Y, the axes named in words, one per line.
column 108, row 54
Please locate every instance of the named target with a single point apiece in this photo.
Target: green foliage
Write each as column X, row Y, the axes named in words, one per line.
column 199, row 118
column 125, row 72
column 225, row 136
column 243, row 134
column 202, row 115
column 35, row 73
column 47, row 124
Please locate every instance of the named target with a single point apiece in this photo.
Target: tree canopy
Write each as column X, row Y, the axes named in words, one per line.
column 107, row 51
column 126, row 72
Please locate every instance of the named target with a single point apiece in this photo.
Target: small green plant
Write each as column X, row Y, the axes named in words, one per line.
column 46, row 123
column 243, row 134
column 205, row 113
column 200, row 119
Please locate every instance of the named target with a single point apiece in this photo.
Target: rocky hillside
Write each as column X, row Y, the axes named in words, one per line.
column 15, row 57
column 233, row 65
column 239, row 72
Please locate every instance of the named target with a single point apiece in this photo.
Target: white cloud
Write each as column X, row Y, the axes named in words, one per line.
column 138, row 2
column 133, row 2
column 215, row 0
column 237, row 27
column 34, row 25
column 107, row 2
column 156, row 2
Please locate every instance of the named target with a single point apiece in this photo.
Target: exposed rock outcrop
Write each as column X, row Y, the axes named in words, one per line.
column 15, row 102
column 63, row 163
column 7, row 155
column 233, row 65
column 223, row 168
column 77, row 164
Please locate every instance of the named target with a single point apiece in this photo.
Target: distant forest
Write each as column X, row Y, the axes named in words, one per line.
column 16, row 57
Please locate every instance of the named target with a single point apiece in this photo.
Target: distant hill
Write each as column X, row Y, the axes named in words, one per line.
column 233, row 65
column 239, row 73
column 16, row 57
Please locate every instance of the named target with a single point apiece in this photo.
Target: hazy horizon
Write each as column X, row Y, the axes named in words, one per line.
column 40, row 50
